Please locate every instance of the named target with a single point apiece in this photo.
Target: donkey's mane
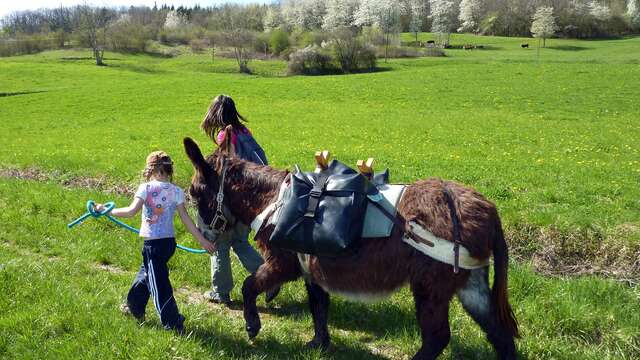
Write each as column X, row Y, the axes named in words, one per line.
column 253, row 185
column 246, row 173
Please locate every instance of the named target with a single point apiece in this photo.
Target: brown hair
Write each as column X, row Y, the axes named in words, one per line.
column 158, row 162
column 221, row 113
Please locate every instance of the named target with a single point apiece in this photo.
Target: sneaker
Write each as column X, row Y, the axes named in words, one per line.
column 124, row 308
column 271, row 294
column 179, row 327
column 218, row 299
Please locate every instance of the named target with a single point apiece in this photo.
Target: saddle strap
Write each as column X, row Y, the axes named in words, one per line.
column 456, row 228
column 401, row 224
column 314, row 195
column 409, row 232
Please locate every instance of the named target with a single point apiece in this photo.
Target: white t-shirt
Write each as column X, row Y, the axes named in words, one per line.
column 160, row 201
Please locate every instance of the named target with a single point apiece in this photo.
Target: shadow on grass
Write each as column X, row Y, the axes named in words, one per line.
column 460, row 350
column 568, row 48
column 376, row 321
column 156, row 54
column 268, row 348
column 84, row 58
column 477, row 47
column 16, row 93
column 137, row 69
column 337, row 72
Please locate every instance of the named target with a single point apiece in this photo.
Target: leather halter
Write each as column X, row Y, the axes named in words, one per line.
column 220, row 221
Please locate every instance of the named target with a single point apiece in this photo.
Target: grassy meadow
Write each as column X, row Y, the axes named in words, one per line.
column 550, row 136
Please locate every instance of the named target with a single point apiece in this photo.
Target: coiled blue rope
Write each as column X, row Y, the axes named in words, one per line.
column 91, row 211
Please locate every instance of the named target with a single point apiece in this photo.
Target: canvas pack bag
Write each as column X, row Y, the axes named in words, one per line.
column 323, row 213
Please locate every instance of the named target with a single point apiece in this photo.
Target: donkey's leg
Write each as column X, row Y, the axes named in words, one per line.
column 274, row 272
column 475, row 297
column 319, row 306
column 432, row 311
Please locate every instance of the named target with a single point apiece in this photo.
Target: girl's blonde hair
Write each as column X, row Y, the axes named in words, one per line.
column 158, row 162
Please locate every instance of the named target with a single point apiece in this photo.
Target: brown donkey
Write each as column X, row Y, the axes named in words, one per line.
column 382, row 265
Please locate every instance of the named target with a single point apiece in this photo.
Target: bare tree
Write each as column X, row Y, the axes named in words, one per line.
column 240, row 40
column 93, row 29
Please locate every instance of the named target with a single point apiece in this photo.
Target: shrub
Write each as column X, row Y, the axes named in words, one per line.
column 26, row 44
column 181, row 35
column 128, row 36
column 398, row 52
column 198, row 45
column 261, row 44
column 158, row 49
column 351, row 53
column 278, row 41
column 366, row 58
column 306, row 39
column 310, row 60
column 413, row 43
column 433, row 52
column 373, row 35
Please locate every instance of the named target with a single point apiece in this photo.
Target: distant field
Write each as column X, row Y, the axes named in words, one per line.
column 551, row 136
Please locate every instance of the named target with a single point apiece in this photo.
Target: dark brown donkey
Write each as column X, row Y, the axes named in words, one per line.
column 382, row 265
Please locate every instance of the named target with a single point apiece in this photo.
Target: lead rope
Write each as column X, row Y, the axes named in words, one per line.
column 91, row 211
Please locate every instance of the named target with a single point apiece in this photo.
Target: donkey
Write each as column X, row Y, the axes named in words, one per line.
column 381, row 265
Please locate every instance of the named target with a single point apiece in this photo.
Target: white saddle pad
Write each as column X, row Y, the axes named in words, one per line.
column 376, row 224
column 442, row 249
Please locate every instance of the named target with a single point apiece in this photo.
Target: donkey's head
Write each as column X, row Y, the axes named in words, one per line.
column 206, row 186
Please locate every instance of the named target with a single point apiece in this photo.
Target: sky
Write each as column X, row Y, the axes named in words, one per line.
column 8, row 6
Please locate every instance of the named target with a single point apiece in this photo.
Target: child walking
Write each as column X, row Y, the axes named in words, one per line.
column 223, row 114
column 159, row 199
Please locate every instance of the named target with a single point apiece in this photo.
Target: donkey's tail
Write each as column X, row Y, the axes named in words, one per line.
column 500, row 297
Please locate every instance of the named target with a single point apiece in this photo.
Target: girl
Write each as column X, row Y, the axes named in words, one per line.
column 221, row 114
column 159, row 199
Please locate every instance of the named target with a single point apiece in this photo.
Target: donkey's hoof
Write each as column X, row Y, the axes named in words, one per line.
column 322, row 345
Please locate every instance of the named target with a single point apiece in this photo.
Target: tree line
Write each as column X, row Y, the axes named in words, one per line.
column 131, row 29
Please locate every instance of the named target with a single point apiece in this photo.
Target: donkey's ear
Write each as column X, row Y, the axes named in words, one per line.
column 194, row 154
column 226, row 145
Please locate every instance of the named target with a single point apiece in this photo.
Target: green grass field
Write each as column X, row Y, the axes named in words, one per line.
column 550, row 136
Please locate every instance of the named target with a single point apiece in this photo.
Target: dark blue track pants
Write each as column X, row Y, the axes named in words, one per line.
column 153, row 280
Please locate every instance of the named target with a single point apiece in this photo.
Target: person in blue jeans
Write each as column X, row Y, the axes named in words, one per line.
column 159, row 200
column 221, row 114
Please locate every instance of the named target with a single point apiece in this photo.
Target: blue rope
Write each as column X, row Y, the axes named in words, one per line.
column 91, row 211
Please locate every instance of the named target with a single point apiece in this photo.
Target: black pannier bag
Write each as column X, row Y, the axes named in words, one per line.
column 323, row 213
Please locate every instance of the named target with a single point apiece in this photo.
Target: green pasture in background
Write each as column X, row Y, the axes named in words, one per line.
column 551, row 138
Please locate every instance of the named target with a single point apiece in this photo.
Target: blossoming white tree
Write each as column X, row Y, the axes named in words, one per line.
column 366, row 14
column 599, row 11
column 633, row 13
column 303, row 14
column 544, row 24
column 443, row 17
column 339, row 13
column 174, row 20
column 416, row 12
column 384, row 14
column 272, row 18
column 469, row 16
